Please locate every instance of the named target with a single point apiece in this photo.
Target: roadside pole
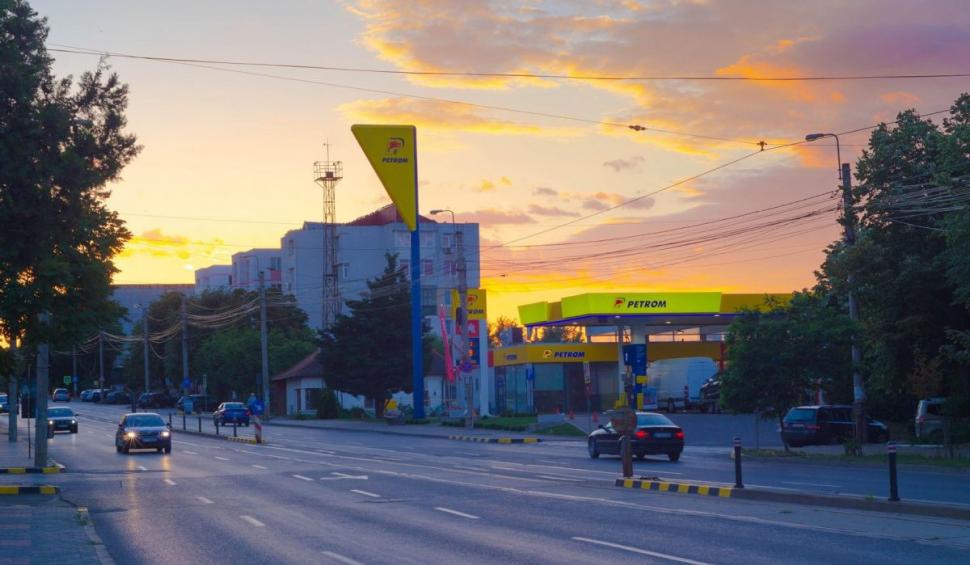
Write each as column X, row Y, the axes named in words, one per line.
column 185, row 340
column 466, row 374
column 893, row 484
column 858, row 389
column 13, row 400
column 263, row 340
column 146, row 345
column 100, row 366
column 74, row 368
column 42, row 429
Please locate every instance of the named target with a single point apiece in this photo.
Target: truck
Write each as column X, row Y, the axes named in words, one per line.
column 678, row 379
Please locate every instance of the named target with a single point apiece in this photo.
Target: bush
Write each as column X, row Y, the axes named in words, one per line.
column 355, row 413
column 327, row 406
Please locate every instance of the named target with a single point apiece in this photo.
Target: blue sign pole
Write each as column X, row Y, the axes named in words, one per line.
column 417, row 351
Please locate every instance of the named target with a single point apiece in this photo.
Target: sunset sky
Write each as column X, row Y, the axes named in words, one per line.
column 228, row 153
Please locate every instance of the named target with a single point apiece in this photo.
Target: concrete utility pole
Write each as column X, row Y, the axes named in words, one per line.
column 40, row 423
column 848, row 222
column 101, row 365
column 74, row 377
column 12, row 398
column 185, row 340
column 263, row 341
column 145, row 345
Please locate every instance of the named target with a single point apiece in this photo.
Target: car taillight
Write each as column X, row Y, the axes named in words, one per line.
column 679, row 434
column 641, row 434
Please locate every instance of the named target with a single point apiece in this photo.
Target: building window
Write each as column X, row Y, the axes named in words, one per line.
column 448, row 268
column 427, row 238
column 402, row 239
column 290, row 246
column 311, row 398
column 343, row 271
column 275, row 263
column 427, row 267
column 446, row 240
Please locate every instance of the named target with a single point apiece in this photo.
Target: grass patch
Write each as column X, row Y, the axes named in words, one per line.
column 562, row 430
column 873, row 458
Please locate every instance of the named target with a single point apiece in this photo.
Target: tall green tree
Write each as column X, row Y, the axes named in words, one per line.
column 368, row 352
column 61, row 144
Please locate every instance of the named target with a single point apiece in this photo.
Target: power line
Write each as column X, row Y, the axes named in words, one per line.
column 483, row 74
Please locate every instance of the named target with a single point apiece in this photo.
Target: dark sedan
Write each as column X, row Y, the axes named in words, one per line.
column 62, row 420
column 230, row 412
column 143, row 430
column 819, row 425
column 655, row 434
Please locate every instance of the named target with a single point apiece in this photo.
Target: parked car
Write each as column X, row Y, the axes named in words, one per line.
column 820, row 425
column 97, row 394
column 711, row 395
column 200, row 402
column 143, row 430
column 62, row 418
column 929, row 419
column 61, row 395
column 85, row 395
column 155, row 400
column 229, row 412
column 117, row 397
column 655, row 435
column 4, row 404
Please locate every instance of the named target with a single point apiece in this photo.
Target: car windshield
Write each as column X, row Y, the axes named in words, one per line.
column 800, row 415
column 3, row 397
column 60, row 413
column 144, row 420
column 234, row 406
column 653, row 420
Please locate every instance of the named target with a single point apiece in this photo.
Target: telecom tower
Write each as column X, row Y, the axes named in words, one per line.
column 327, row 174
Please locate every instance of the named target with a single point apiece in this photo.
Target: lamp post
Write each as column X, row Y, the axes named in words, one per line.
column 848, row 220
column 461, row 320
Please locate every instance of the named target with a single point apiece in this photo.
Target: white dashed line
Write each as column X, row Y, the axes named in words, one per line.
column 187, row 452
column 810, row 484
column 302, row 478
column 260, row 467
column 142, row 468
column 341, row 558
column 365, row 493
column 170, row 481
column 205, row 500
column 456, row 513
column 222, row 458
column 559, row 478
column 641, row 551
column 252, row 521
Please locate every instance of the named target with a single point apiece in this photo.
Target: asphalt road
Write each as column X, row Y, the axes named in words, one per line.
column 325, row 496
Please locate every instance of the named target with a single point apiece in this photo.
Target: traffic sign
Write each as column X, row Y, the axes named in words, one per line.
column 257, row 407
column 67, row 379
column 186, row 383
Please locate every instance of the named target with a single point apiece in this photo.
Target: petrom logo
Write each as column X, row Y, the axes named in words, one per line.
column 618, row 303
column 546, row 353
column 646, row 304
column 569, row 355
column 394, row 144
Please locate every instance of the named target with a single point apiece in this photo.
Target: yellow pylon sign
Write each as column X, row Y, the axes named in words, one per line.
column 392, row 152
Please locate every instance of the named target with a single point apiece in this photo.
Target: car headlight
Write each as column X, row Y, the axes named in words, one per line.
column 131, row 435
column 165, row 433
column 50, row 422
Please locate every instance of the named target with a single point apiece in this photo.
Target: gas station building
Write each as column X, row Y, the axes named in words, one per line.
column 625, row 333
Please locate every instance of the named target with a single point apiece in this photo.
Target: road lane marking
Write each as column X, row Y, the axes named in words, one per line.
column 641, row 551
column 252, row 521
column 260, row 467
column 346, row 476
column 302, row 478
column 809, row 484
column 142, row 468
column 221, row 458
column 554, row 478
column 341, row 558
column 610, row 473
column 170, row 481
column 205, row 500
column 365, row 493
column 187, row 452
column 456, row 513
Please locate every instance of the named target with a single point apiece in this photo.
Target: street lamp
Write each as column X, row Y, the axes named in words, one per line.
column 858, row 390
column 462, row 319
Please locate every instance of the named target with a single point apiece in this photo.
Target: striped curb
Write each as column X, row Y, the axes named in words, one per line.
column 683, row 488
column 248, row 440
column 25, row 470
column 29, row 490
column 504, row 440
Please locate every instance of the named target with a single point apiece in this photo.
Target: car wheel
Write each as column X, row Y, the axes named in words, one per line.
column 117, row 448
column 125, row 449
column 594, row 452
column 168, row 449
column 159, row 450
column 673, row 456
column 74, row 430
column 640, row 456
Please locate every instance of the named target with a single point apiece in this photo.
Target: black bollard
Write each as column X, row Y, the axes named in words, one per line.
column 183, row 420
column 234, row 434
column 626, row 453
column 893, row 486
column 216, row 422
column 737, row 463
column 200, row 423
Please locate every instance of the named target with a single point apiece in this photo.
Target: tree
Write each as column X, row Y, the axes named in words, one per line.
column 495, row 330
column 778, row 356
column 562, row 334
column 368, row 352
column 60, row 146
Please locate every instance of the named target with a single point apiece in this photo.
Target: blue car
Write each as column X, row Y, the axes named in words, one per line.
column 231, row 412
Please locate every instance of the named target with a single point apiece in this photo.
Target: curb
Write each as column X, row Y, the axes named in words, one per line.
column 682, row 488
column 248, row 440
column 25, row 470
column 28, row 490
column 856, row 503
column 505, row 440
column 411, row 434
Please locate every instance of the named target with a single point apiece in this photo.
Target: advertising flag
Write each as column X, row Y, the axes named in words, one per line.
column 391, row 151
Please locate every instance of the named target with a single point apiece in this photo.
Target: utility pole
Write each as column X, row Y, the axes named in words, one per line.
column 263, row 342
column 12, row 395
column 463, row 316
column 40, row 423
column 101, row 365
column 858, row 389
column 74, row 377
column 145, row 344
column 185, row 340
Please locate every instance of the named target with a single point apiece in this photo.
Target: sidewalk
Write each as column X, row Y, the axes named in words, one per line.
column 15, row 455
column 45, row 529
column 412, row 430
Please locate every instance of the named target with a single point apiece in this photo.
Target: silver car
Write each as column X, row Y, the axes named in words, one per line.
column 929, row 419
